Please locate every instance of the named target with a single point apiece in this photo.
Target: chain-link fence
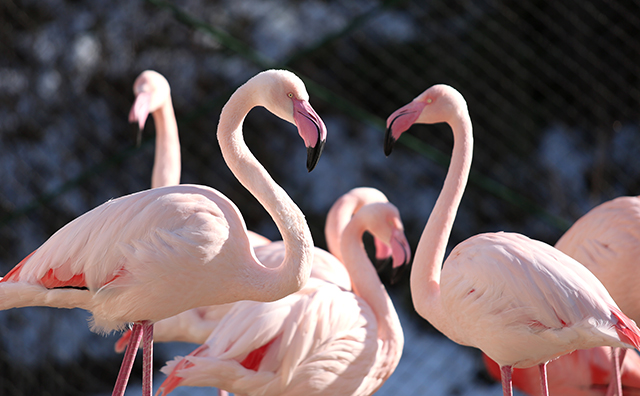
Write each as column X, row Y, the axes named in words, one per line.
column 552, row 88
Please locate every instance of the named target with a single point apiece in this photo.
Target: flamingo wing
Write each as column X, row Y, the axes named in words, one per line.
column 504, row 280
column 312, row 338
column 606, row 240
column 155, row 240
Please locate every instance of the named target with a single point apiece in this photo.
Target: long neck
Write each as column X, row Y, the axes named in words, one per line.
column 366, row 284
column 429, row 256
column 295, row 270
column 166, row 164
column 337, row 219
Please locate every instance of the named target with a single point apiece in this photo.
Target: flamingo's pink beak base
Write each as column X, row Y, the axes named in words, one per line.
column 400, row 121
column 311, row 129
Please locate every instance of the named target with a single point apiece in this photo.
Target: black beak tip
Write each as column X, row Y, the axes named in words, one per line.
column 380, row 265
column 389, row 141
column 313, row 155
column 397, row 274
column 138, row 137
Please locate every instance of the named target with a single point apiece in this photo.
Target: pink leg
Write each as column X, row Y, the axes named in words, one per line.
column 615, row 385
column 147, row 358
column 506, row 380
column 543, row 379
column 127, row 361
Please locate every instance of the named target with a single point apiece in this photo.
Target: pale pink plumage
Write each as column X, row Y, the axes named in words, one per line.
column 520, row 301
column 156, row 253
column 606, row 240
column 584, row 372
column 196, row 325
column 323, row 340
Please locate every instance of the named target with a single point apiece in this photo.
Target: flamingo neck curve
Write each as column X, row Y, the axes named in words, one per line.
column 292, row 274
column 430, row 252
column 366, row 284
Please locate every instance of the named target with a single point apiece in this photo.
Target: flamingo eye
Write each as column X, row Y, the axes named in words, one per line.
column 429, row 100
column 290, row 95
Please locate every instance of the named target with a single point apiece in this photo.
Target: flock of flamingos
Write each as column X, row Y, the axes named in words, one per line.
column 288, row 318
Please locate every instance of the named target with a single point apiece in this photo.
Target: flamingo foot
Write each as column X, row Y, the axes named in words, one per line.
column 506, row 372
column 127, row 361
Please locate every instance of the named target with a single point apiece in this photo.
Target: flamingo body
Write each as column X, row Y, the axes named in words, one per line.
column 154, row 229
column 606, row 240
column 524, row 302
column 321, row 340
column 196, row 325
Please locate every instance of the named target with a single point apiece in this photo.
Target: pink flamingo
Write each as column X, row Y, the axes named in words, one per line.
column 323, row 340
column 584, row 372
column 153, row 95
column 606, row 240
column 520, row 301
column 151, row 255
column 195, row 325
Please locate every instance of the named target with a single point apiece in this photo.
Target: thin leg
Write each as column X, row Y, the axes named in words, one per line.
column 506, row 380
column 127, row 361
column 615, row 385
column 543, row 379
column 147, row 358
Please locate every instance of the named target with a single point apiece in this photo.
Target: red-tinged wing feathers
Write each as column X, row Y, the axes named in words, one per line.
column 173, row 380
column 626, row 329
column 254, row 358
column 51, row 281
column 14, row 274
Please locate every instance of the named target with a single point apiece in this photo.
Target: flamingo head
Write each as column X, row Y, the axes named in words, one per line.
column 440, row 103
column 288, row 99
column 385, row 225
column 152, row 91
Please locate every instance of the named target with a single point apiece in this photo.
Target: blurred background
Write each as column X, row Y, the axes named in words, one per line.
column 552, row 89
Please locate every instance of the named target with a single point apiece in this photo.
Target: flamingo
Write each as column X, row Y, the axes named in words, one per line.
column 153, row 95
column 323, row 340
column 195, row 325
column 520, row 301
column 606, row 240
column 584, row 372
column 153, row 254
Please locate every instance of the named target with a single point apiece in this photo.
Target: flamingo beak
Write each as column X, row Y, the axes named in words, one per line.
column 383, row 254
column 311, row 129
column 399, row 122
column 401, row 254
column 139, row 112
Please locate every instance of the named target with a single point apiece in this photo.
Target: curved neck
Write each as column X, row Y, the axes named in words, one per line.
column 295, row 269
column 337, row 219
column 166, row 164
column 429, row 256
column 366, row 284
